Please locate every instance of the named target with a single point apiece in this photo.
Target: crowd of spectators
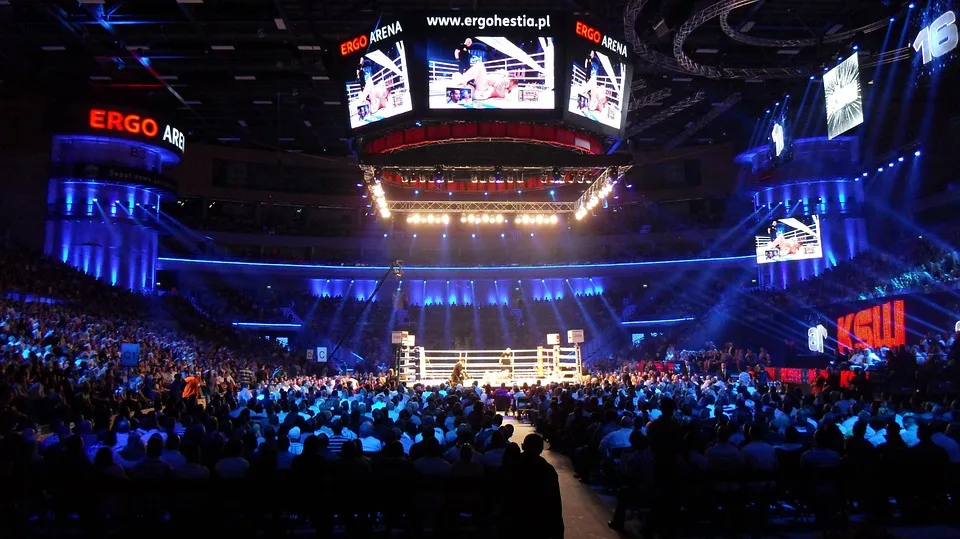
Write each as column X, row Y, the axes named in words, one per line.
column 204, row 402
column 717, row 444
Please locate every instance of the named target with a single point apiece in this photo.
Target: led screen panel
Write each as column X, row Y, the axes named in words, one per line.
column 790, row 238
column 380, row 86
column 843, row 96
column 597, row 85
column 490, row 63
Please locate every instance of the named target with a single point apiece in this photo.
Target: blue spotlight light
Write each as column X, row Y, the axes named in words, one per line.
column 444, row 235
column 911, row 5
column 551, row 192
column 892, row 19
column 890, row 164
column 915, row 154
column 414, row 235
column 416, row 191
column 812, row 77
column 879, row 169
column 856, row 47
column 473, row 235
column 865, row 174
column 900, row 159
column 384, row 234
column 502, row 235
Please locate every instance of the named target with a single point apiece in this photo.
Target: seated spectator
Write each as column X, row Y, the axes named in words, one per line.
column 432, row 462
column 152, row 466
column 467, row 465
column 232, row 465
column 820, row 455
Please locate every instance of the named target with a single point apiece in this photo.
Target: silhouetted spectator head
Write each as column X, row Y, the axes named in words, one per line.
column 533, row 444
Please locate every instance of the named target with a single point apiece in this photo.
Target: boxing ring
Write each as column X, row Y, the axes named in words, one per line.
column 544, row 363
column 534, row 74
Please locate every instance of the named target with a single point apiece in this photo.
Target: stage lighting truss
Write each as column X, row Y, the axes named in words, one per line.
column 598, row 191
column 483, row 218
column 536, row 220
column 379, row 199
column 372, row 180
column 458, row 210
column 429, row 219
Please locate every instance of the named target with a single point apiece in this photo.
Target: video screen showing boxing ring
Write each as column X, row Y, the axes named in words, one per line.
column 491, row 72
column 381, row 86
column 790, row 238
column 596, row 87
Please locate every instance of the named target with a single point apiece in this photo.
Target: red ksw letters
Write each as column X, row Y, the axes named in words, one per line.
column 874, row 327
column 589, row 33
column 112, row 120
column 354, row 45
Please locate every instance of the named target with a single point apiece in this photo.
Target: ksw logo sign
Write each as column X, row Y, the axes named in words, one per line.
column 874, row 327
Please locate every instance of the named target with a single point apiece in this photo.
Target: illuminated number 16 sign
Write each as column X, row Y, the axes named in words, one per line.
column 937, row 39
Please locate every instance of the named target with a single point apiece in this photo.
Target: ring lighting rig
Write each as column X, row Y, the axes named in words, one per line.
column 598, row 191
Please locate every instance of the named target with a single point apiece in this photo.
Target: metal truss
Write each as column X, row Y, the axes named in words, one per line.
column 663, row 115
column 787, row 43
column 480, row 207
column 682, row 63
column 600, row 188
column 637, row 85
column 714, row 113
column 649, row 99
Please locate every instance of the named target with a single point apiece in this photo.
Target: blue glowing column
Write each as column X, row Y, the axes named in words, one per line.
column 843, row 229
column 822, row 179
column 103, row 200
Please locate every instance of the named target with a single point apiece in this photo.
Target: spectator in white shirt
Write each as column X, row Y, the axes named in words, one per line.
column 617, row 439
column 367, row 440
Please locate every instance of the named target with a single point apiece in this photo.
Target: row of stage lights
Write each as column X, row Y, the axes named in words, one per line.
column 483, row 219
column 594, row 200
column 380, row 200
column 892, row 163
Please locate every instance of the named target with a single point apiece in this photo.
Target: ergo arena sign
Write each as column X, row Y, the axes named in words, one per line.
column 143, row 127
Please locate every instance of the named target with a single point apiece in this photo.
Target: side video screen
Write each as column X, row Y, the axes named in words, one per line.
column 380, row 88
column 790, row 238
column 597, row 86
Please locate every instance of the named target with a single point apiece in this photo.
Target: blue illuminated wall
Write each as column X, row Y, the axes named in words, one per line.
column 459, row 291
column 823, row 179
column 101, row 225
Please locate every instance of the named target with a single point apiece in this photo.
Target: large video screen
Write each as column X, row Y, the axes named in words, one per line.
column 597, row 83
column 469, row 68
column 790, row 238
column 381, row 86
column 844, row 99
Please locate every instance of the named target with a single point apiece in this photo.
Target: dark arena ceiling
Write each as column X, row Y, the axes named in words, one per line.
column 254, row 73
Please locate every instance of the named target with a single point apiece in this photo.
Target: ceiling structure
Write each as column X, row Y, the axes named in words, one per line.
column 254, row 73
